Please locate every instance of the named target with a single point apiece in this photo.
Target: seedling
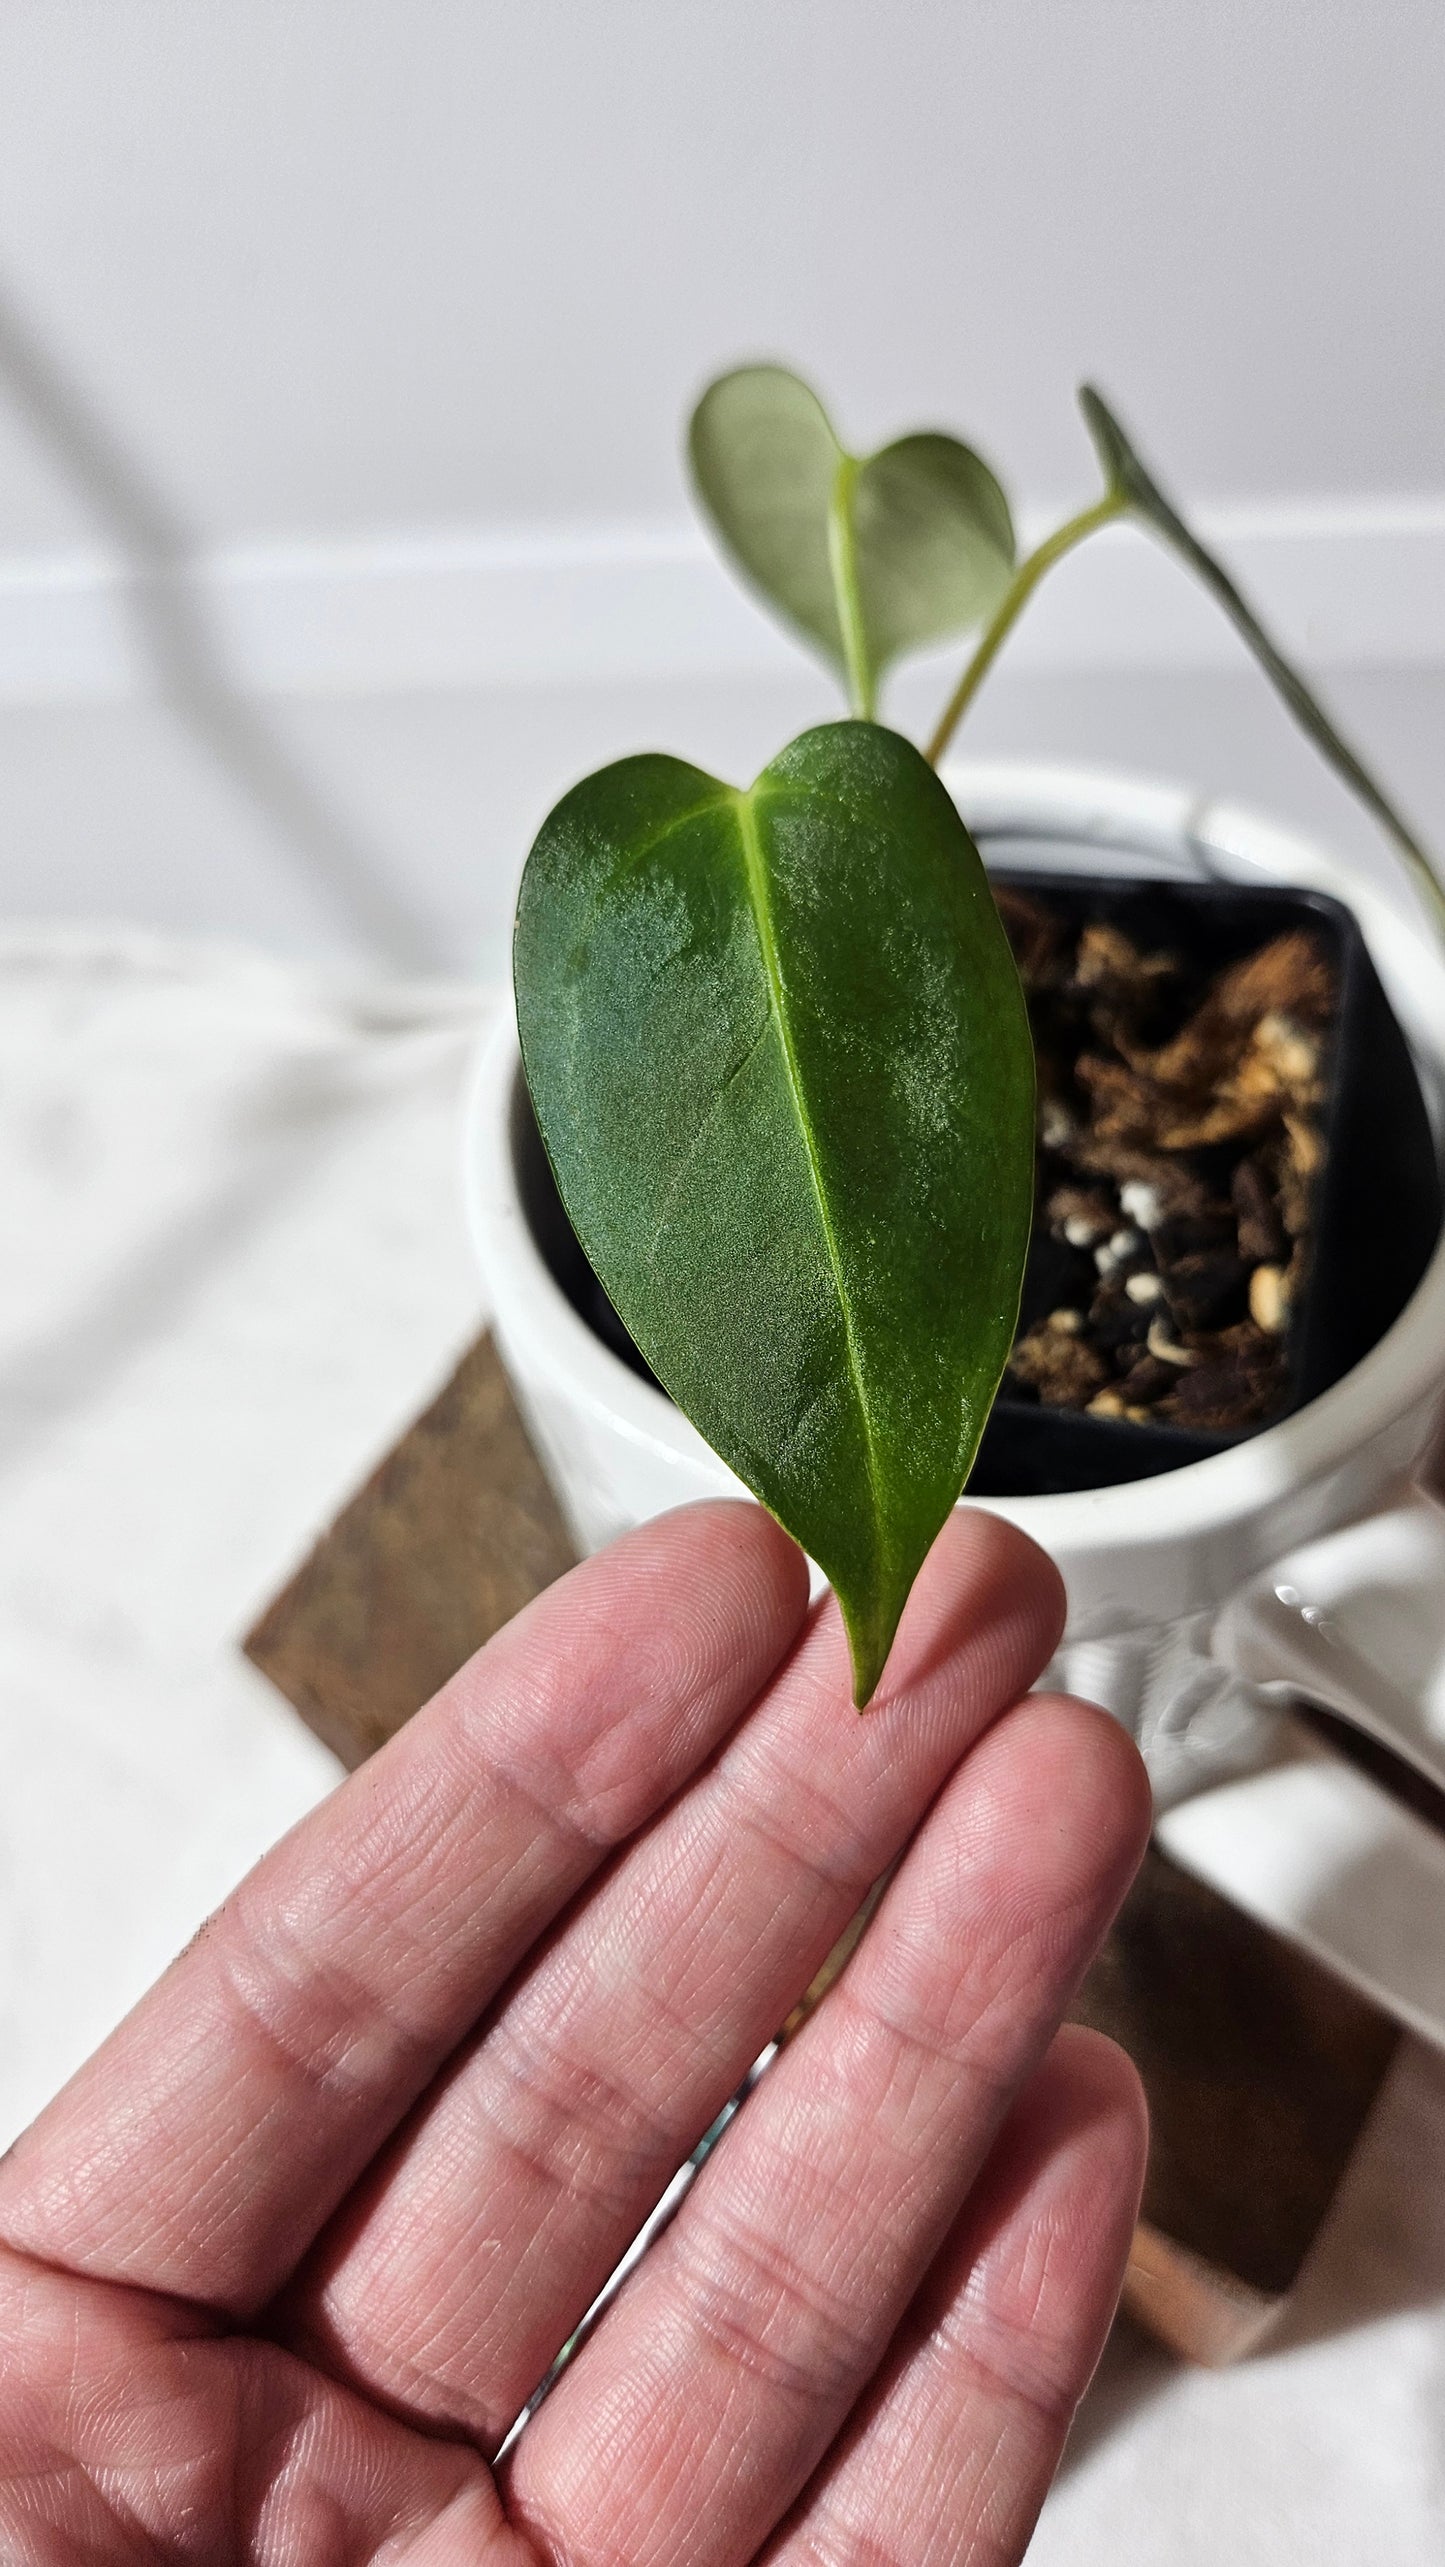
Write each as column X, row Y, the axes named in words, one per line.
column 774, row 1035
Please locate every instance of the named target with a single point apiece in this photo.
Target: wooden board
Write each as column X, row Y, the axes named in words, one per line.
column 1260, row 2068
column 452, row 1534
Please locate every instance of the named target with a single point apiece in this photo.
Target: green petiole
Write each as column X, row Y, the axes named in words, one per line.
column 843, row 561
column 1011, row 605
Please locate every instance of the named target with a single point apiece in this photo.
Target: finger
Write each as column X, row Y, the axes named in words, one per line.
column 447, row 2286
column 132, row 2431
column 203, row 2146
column 709, row 2395
column 953, row 2451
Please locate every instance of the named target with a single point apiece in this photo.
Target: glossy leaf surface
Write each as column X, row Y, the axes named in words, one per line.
column 779, row 1056
column 869, row 558
column 1130, row 477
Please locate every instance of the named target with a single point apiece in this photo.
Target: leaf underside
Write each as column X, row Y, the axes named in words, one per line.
column 780, row 1060
column 932, row 541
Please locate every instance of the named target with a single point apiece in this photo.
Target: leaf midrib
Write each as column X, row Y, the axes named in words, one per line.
column 760, row 902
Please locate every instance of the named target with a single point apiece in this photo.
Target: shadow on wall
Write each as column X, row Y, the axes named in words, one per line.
column 183, row 658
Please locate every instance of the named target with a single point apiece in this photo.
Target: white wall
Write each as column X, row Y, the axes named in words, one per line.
column 335, row 263
column 396, row 282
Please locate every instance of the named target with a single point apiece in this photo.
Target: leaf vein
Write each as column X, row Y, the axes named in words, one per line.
column 761, row 905
column 636, row 855
column 682, row 1171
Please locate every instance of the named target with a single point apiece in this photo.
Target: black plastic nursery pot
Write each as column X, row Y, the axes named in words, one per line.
column 1152, row 1252
column 1373, row 1200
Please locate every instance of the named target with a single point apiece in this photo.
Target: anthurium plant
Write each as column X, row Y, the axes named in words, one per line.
column 773, row 1033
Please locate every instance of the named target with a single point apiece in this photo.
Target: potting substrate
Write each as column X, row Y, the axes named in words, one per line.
column 1237, row 1190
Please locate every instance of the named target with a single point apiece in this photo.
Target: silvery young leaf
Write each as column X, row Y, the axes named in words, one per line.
column 935, row 543
column 765, row 461
column 779, row 1056
column 868, row 558
column 1130, row 477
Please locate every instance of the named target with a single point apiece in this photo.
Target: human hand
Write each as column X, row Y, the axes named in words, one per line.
column 284, row 2260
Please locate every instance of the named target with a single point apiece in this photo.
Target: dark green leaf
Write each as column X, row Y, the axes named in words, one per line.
column 1130, row 477
column 779, row 1056
column 869, row 559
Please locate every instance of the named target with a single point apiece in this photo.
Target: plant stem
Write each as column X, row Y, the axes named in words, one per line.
column 1011, row 605
column 1422, row 872
column 843, row 559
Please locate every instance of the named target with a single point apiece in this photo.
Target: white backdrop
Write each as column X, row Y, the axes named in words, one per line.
column 339, row 264
column 344, row 346
column 343, row 350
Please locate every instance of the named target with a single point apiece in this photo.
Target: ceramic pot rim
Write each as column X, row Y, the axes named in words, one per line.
column 1159, row 824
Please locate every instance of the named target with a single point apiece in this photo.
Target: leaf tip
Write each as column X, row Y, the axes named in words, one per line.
column 868, row 1648
column 1102, row 425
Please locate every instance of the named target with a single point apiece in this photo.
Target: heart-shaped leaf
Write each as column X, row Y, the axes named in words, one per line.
column 868, row 558
column 1130, row 478
column 779, row 1056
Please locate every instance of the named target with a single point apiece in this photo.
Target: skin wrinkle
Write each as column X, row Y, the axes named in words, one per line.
column 645, row 2146
column 295, row 2061
column 851, row 1871
column 768, row 1781
column 763, row 1785
column 563, row 1644
column 1046, row 2400
column 1021, row 2346
column 810, row 2068
column 860, row 2028
column 432, row 2544
column 657, row 1928
column 171, row 2436
column 705, row 1676
column 768, row 1749
column 574, row 1819
column 914, row 2162
column 1059, row 2164
column 989, row 1819
column 657, row 2149
column 403, row 2370
column 276, row 2414
column 726, row 2298
column 654, row 2146
column 380, row 2326
column 265, row 1992
column 753, row 1536
column 409, row 1806
column 723, row 2230
column 569, row 2178
column 410, row 1885
column 76, row 2193
column 261, row 2432
column 397, row 1820
column 640, row 2122
column 848, row 2548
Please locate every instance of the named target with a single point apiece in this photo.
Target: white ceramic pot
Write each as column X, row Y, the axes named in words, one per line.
column 1304, row 1561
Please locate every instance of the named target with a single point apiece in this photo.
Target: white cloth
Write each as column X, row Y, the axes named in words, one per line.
column 234, row 1267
